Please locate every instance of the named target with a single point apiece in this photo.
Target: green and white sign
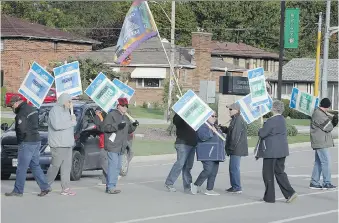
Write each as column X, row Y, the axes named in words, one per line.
column 291, row 32
column 257, row 83
column 303, row 102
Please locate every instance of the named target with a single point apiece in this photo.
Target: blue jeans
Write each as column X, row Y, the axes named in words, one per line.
column 184, row 163
column 114, row 167
column 321, row 165
column 209, row 172
column 234, row 170
column 28, row 156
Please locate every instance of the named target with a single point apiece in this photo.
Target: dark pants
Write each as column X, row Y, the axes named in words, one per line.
column 210, row 173
column 234, row 170
column 184, row 163
column 271, row 168
column 28, row 156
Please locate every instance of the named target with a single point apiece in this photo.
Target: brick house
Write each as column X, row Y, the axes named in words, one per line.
column 23, row 42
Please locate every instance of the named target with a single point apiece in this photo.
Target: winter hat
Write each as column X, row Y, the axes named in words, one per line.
column 325, row 103
column 123, row 102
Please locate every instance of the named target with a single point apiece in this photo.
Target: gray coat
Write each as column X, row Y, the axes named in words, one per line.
column 236, row 141
column 321, row 127
column 111, row 126
column 60, row 124
column 273, row 138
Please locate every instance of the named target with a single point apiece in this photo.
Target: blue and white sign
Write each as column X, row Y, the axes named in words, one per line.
column 257, row 84
column 303, row 102
column 192, row 110
column 67, row 79
column 251, row 113
column 126, row 91
column 103, row 92
column 36, row 85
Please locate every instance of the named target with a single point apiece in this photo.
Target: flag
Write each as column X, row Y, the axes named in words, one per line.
column 138, row 27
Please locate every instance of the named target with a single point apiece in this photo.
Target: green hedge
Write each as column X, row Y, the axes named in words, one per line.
column 253, row 128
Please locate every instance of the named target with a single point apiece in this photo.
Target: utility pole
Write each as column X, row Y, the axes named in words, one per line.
column 317, row 60
column 281, row 52
column 325, row 58
column 172, row 65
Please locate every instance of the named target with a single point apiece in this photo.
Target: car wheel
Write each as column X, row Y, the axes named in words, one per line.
column 124, row 164
column 77, row 165
column 5, row 176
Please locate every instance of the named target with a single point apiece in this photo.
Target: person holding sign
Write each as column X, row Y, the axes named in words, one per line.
column 29, row 141
column 61, row 140
column 116, row 127
column 210, row 151
column 273, row 147
column 321, row 139
column 236, row 146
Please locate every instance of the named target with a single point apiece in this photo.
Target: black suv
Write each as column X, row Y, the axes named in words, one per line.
column 86, row 153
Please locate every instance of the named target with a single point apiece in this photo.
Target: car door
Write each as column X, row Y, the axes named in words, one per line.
column 89, row 139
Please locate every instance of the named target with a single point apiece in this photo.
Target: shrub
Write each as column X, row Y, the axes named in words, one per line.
column 144, row 104
column 288, row 110
column 294, row 114
column 291, row 130
column 253, row 128
column 156, row 105
column 268, row 115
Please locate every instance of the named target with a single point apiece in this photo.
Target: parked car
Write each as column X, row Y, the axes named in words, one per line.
column 86, row 152
column 50, row 97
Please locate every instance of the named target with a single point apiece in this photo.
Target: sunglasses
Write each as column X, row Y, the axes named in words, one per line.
column 124, row 106
column 214, row 116
column 230, row 109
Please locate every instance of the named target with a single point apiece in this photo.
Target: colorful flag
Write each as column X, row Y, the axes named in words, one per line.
column 138, row 27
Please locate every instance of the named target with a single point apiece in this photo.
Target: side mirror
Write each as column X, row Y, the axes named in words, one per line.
column 4, row 126
column 90, row 127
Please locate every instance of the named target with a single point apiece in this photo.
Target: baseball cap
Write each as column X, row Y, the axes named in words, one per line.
column 123, row 102
column 234, row 106
column 14, row 99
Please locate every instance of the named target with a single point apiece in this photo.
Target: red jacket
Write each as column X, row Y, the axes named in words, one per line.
column 101, row 135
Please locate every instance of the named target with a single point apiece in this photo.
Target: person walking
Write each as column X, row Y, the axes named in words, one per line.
column 273, row 148
column 236, row 146
column 116, row 127
column 210, row 151
column 61, row 140
column 29, row 141
column 185, row 145
column 322, row 124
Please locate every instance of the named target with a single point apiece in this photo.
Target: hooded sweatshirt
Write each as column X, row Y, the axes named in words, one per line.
column 60, row 124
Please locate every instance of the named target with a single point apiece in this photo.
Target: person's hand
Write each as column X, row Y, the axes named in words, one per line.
column 335, row 120
column 135, row 123
column 121, row 125
column 74, row 118
column 97, row 113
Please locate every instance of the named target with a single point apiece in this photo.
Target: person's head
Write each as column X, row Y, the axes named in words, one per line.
column 234, row 109
column 15, row 102
column 325, row 104
column 122, row 105
column 278, row 107
column 65, row 100
column 98, row 110
column 213, row 118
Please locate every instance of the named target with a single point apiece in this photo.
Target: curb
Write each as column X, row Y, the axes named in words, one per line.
column 173, row 157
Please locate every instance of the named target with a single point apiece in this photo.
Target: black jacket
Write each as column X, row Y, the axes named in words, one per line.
column 27, row 124
column 236, row 140
column 185, row 134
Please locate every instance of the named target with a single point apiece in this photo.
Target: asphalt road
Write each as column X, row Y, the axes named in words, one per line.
column 144, row 199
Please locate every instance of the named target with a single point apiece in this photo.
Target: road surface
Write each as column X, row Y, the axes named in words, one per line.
column 144, row 199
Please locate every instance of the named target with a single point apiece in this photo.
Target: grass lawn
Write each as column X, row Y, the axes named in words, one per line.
column 303, row 122
column 139, row 112
column 5, row 109
column 7, row 120
column 147, row 147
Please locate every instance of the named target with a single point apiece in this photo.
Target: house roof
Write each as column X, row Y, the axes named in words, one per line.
column 303, row 69
column 240, row 50
column 19, row 28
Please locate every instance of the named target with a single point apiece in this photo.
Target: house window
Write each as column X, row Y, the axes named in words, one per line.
column 2, row 78
column 148, row 83
column 265, row 65
column 286, row 89
column 236, row 61
column 247, row 64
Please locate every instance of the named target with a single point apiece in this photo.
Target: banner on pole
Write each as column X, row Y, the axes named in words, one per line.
column 36, row 84
column 303, row 102
column 138, row 27
column 252, row 113
column 192, row 110
column 257, row 83
column 126, row 91
column 291, row 33
column 67, row 79
column 103, row 92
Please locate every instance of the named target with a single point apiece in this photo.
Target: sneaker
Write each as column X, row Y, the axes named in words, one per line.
column 170, row 188
column 113, row 191
column 315, row 187
column 194, row 189
column 292, row 198
column 13, row 194
column 101, row 184
column 45, row 192
column 68, row 192
column 119, row 177
column 229, row 189
column 234, row 191
column 329, row 187
column 211, row 193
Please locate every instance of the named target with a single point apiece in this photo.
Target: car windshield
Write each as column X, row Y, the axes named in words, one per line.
column 44, row 112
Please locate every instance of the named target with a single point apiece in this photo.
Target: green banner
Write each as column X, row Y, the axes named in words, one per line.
column 291, row 36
